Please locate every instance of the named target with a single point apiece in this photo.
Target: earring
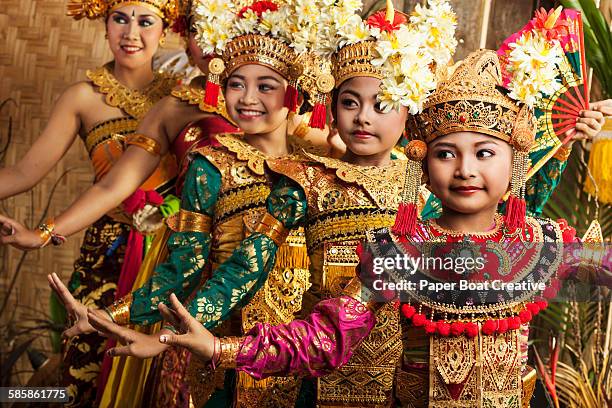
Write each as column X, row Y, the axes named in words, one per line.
column 162, row 41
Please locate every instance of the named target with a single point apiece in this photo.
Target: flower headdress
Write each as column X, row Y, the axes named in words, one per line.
column 274, row 34
column 400, row 50
column 470, row 97
column 167, row 10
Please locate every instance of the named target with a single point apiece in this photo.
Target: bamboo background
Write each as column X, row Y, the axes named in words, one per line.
column 41, row 53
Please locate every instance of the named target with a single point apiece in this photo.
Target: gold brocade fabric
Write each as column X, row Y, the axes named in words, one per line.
column 344, row 201
column 240, row 205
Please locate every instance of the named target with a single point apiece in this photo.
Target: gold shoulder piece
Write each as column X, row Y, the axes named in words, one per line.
column 296, row 168
column 244, row 151
column 133, row 102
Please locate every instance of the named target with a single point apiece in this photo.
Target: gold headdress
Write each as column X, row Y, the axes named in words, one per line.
column 269, row 33
column 470, row 97
column 167, row 10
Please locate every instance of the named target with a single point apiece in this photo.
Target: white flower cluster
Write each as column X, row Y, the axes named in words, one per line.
column 534, row 67
column 303, row 24
column 407, row 54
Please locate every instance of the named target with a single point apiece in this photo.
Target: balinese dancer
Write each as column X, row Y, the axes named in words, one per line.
column 458, row 351
column 104, row 111
column 226, row 185
column 382, row 73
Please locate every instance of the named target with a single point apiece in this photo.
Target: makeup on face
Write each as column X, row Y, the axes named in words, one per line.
column 469, row 171
column 254, row 97
column 133, row 33
column 366, row 130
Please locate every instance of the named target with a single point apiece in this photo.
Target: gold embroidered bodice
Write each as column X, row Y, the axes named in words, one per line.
column 104, row 142
column 344, row 201
column 240, row 205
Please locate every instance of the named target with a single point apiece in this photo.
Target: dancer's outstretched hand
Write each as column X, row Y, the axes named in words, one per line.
column 134, row 343
column 196, row 339
column 18, row 235
column 76, row 310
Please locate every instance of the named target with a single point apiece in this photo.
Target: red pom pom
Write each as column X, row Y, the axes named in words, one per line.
column 408, row 310
column 533, row 308
column 502, row 326
column 430, row 327
column 525, row 316
column 471, row 329
column 418, row 320
column 489, row 327
column 457, row 328
column 542, row 304
column 443, row 329
column 514, row 323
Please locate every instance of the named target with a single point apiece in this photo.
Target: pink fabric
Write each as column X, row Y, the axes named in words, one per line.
column 322, row 342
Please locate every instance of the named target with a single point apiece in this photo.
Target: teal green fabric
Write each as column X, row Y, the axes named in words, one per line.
column 188, row 251
column 235, row 282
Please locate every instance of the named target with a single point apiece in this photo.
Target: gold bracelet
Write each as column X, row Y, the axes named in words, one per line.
column 144, row 142
column 47, row 234
column 189, row 221
column 272, row 228
column 562, row 153
column 119, row 311
column 230, row 346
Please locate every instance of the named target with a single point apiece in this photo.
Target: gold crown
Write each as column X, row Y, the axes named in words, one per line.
column 167, row 10
column 469, row 97
column 263, row 50
column 355, row 60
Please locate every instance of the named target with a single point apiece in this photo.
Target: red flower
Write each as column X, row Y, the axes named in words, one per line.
column 408, row 310
column 471, row 329
column 379, row 20
column 489, row 327
column 443, row 329
column 258, row 8
column 418, row 320
column 549, row 23
column 502, row 326
column 430, row 327
column 457, row 328
column 525, row 316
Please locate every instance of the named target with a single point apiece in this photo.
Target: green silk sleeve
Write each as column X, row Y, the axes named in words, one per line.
column 235, row 282
column 187, row 251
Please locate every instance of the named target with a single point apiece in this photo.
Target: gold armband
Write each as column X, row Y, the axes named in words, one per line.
column 189, row 221
column 273, row 229
column 361, row 293
column 230, row 346
column 119, row 311
column 562, row 153
column 144, row 142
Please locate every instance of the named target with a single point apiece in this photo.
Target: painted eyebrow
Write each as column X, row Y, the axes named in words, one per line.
column 356, row 94
column 486, row 142
column 127, row 16
column 261, row 78
column 444, row 144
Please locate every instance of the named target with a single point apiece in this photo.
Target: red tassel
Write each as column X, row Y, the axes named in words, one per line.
column 516, row 210
column 291, row 98
column 211, row 96
column 406, row 219
column 318, row 117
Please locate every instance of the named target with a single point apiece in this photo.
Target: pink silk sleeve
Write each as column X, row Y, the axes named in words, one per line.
column 315, row 346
